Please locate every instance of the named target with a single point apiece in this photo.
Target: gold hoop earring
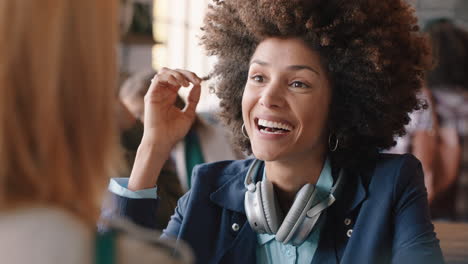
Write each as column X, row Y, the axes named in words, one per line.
column 244, row 131
column 331, row 146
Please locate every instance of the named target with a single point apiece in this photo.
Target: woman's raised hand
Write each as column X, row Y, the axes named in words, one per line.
column 165, row 124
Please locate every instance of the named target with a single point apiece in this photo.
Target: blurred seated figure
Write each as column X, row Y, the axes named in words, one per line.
column 448, row 82
column 206, row 141
column 59, row 138
column 420, row 139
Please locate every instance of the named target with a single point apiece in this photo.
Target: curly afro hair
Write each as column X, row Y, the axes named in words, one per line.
column 374, row 53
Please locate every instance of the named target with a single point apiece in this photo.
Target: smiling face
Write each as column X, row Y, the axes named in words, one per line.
column 286, row 101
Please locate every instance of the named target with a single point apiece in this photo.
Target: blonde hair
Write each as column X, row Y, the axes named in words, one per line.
column 58, row 138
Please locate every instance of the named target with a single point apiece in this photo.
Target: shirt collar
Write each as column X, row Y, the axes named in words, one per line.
column 262, row 239
column 325, row 181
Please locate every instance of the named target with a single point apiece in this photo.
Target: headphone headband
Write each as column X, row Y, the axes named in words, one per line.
column 249, row 182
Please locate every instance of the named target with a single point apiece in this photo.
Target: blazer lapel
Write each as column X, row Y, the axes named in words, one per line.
column 240, row 246
column 333, row 239
column 326, row 251
column 242, row 249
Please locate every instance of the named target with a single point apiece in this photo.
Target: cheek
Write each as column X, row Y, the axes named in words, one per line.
column 248, row 102
column 315, row 118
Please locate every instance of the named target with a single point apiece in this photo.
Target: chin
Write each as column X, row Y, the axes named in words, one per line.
column 266, row 155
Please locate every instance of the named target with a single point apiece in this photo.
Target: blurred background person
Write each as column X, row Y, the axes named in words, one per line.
column 448, row 82
column 58, row 135
column 420, row 139
column 206, row 141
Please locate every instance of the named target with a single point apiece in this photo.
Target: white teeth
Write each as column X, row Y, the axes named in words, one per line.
column 272, row 124
column 268, row 132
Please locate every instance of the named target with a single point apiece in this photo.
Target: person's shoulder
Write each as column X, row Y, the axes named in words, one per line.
column 42, row 235
column 391, row 166
column 396, row 170
column 386, row 168
column 395, row 161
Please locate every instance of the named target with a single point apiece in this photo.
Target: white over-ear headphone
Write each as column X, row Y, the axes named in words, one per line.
column 265, row 216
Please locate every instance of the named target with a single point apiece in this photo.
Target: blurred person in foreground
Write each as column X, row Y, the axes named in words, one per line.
column 58, row 136
column 315, row 90
column 448, row 83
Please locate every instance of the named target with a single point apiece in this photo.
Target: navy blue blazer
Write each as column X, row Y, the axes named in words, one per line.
column 387, row 206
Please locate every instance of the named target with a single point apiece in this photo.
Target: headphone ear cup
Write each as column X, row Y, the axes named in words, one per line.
column 254, row 209
column 299, row 207
column 271, row 209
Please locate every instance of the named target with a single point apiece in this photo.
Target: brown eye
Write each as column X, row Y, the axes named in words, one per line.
column 298, row 84
column 257, row 78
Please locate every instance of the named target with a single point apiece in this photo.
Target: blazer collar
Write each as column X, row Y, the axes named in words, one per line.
column 231, row 194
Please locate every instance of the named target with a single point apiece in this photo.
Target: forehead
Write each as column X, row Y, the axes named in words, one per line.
column 285, row 52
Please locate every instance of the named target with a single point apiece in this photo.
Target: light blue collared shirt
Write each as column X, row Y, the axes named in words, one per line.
column 270, row 251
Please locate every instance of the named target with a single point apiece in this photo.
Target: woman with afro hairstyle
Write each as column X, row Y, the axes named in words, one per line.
column 314, row 90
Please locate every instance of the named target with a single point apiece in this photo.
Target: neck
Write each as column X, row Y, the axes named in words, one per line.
column 288, row 176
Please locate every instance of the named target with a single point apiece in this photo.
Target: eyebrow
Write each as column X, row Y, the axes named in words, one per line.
column 291, row 67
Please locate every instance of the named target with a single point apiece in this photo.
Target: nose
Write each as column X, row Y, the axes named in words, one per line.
column 272, row 95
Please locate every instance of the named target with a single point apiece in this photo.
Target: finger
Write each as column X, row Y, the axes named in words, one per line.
column 161, row 89
column 161, row 80
column 173, row 81
column 191, row 76
column 170, row 76
column 193, row 99
column 152, row 86
column 164, row 69
column 182, row 79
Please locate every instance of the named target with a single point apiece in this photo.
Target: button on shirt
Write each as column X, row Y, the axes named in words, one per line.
column 270, row 251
